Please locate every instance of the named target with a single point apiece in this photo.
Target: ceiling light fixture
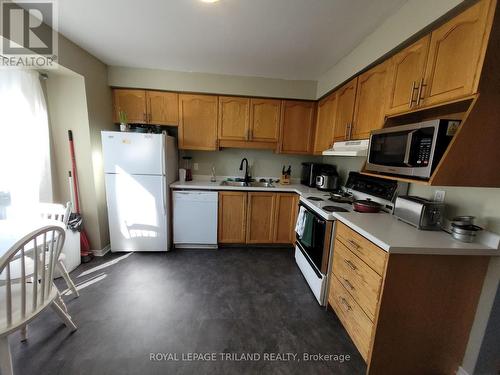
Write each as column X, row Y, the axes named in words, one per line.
column 209, row 1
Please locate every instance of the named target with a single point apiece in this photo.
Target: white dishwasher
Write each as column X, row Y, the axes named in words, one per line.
column 195, row 219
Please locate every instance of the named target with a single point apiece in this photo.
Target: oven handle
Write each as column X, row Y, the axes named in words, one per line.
column 316, row 216
column 408, row 148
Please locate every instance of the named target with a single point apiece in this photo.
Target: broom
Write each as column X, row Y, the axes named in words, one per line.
column 85, row 253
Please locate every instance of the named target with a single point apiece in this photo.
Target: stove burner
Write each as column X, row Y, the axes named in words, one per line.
column 341, row 200
column 334, row 209
column 315, row 199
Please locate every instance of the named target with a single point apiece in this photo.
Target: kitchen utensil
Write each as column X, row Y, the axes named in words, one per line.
column 465, row 229
column 341, row 196
column 464, row 233
column 463, row 220
column 419, row 212
column 366, row 206
column 463, row 237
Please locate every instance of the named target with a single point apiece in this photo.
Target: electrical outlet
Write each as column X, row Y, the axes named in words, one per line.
column 439, row 195
column 195, row 166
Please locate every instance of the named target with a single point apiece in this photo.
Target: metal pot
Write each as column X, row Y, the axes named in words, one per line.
column 366, row 206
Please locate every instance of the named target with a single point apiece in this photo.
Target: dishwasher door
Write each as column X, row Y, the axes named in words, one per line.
column 195, row 219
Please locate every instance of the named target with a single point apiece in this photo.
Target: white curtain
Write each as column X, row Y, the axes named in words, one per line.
column 25, row 176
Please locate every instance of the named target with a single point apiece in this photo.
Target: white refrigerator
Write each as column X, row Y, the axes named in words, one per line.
column 138, row 169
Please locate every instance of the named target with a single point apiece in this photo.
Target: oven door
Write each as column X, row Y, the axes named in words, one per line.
column 405, row 150
column 315, row 249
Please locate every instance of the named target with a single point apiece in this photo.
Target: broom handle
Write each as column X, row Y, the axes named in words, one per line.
column 73, row 167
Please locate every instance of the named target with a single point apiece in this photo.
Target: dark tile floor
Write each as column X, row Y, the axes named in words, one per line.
column 233, row 301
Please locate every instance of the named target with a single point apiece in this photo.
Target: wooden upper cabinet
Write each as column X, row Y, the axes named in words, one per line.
column 456, row 55
column 344, row 114
column 406, row 71
column 264, row 120
column 162, row 107
column 325, row 124
column 197, row 122
column 286, row 206
column 234, row 118
column 297, row 119
column 133, row 103
column 369, row 112
column 260, row 218
column 232, row 216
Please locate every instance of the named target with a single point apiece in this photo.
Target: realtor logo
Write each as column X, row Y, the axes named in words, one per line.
column 29, row 37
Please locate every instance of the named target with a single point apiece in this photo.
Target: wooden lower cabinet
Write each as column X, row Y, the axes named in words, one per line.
column 406, row 313
column 260, row 217
column 232, row 217
column 257, row 217
column 286, row 209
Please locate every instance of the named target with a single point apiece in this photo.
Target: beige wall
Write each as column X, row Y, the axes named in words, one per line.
column 210, row 83
column 263, row 163
column 90, row 114
column 412, row 17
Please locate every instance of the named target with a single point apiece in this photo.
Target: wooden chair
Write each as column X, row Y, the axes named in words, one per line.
column 20, row 300
column 54, row 211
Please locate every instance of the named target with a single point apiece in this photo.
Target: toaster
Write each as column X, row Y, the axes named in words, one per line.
column 419, row 212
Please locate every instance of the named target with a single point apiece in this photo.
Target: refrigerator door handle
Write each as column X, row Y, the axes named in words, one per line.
column 164, row 194
column 163, row 155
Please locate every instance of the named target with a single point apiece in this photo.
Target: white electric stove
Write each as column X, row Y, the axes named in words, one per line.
column 314, row 254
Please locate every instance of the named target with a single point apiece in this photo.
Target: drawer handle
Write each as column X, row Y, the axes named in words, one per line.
column 353, row 243
column 350, row 286
column 349, row 263
column 345, row 303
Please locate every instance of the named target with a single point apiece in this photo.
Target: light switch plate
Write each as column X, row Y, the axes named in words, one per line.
column 195, row 166
column 439, row 195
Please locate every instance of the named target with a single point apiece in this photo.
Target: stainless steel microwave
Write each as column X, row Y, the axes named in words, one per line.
column 410, row 150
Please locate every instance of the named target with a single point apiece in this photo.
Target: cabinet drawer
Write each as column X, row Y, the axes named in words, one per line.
column 371, row 254
column 354, row 320
column 358, row 279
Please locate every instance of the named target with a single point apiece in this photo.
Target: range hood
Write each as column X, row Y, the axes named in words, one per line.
column 348, row 148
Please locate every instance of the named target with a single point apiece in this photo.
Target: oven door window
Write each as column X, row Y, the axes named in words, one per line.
column 315, row 249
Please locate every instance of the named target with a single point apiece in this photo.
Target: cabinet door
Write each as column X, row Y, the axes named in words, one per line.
column 325, row 123
column 234, row 118
column 133, row 103
column 163, row 107
column 406, row 70
column 370, row 99
column 260, row 217
column 456, row 54
column 197, row 122
column 285, row 217
column 297, row 119
column 264, row 120
column 232, row 216
column 346, row 97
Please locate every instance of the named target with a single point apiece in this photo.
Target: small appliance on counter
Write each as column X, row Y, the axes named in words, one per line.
column 186, row 161
column 328, row 180
column 312, row 170
column 420, row 212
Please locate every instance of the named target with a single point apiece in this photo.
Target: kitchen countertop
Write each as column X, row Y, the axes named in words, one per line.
column 383, row 229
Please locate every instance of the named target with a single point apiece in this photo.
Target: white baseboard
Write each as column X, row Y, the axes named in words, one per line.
column 102, row 252
column 461, row 371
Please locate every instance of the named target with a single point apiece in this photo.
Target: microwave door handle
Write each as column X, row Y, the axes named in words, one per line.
column 408, row 148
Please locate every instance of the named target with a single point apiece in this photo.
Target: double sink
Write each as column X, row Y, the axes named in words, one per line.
column 251, row 183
